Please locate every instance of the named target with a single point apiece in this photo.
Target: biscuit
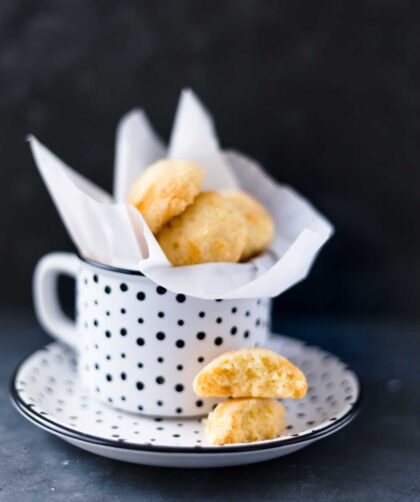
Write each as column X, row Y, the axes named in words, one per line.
column 165, row 189
column 260, row 225
column 250, row 372
column 244, row 420
column 209, row 230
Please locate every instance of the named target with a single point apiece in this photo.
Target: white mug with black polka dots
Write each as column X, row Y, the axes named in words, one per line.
column 140, row 346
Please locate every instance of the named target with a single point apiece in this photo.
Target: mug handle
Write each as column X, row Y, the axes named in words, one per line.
column 47, row 307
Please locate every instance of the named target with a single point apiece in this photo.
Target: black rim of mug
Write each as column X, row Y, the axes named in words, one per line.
column 110, row 268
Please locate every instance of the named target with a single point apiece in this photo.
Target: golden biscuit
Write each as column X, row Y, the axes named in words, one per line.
column 244, row 420
column 210, row 230
column 260, row 225
column 250, row 373
column 165, row 189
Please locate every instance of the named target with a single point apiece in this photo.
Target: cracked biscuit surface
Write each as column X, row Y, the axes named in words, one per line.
column 251, row 372
column 165, row 190
column 244, row 420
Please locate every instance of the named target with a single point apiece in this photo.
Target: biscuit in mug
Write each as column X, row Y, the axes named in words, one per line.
column 260, row 225
column 165, row 189
column 209, row 230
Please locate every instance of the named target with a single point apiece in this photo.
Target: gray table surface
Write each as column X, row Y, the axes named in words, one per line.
column 377, row 456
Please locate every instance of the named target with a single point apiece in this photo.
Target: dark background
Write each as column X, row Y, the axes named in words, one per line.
column 325, row 94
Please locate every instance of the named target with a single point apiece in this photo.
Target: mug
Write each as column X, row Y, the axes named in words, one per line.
column 139, row 345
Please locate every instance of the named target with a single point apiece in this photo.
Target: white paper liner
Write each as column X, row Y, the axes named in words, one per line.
column 112, row 232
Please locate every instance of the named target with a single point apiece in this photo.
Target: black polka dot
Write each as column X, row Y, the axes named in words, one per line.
column 218, row 340
column 234, row 310
column 140, row 408
column 175, row 435
column 201, row 335
column 96, row 366
column 180, row 298
column 161, row 314
column 140, row 320
column 108, row 313
column 141, row 296
column 108, row 334
column 200, row 359
column 123, row 332
column 95, row 322
column 257, row 322
column 160, row 335
column 123, row 376
column 233, row 330
column 139, row 365
column 247, row 313
column 201, row 314
column 140, row 385
column 179, row 387
column 107, row 290
column 199, row 403
column 109, row 377
column 178, row 410
column 123, row 311
column 140, row 341
column 219, row 320
column 123, row 287
column 123, row 355
column 180, row 344
column 246, row 334
column 180, row 322
column 160, row 380
column 180, row 367
column 160, row 290
column 160, row 359
column 108, row 357
column 95, row 278
column 159, row 403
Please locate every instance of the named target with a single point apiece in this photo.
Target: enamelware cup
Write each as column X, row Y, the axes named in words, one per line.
column 140, row 346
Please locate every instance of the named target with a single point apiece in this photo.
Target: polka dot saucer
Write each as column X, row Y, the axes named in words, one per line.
column 47, row 390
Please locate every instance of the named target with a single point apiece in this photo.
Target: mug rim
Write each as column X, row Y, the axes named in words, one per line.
column 110, row 268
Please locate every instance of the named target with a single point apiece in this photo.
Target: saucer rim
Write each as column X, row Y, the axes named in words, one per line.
column 26, row 410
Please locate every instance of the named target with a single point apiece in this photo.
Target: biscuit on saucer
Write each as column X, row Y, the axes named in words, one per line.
column 209, row 230
column 260, row 225
column 250, row 372
column 165, row 189
column 244, row 420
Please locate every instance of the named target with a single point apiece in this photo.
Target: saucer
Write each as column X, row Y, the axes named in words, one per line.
column 47, row 391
